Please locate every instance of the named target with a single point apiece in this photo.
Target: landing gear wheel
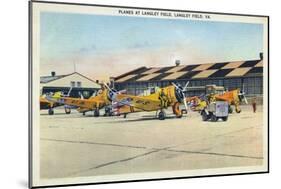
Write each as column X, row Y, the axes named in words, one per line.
column 84, row 113
column 67, row 110
column 177, row 111
column 224, row 118
column 204, row 116
column 179, row 116
column 107, row 111
column 238, row 111
column 51, row 111
column 214, row 118
column 183, row 111
column 161, row 115
column 96, row 113
column 125, row 115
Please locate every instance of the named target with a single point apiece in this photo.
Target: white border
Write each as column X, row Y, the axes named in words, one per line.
column 37, row 7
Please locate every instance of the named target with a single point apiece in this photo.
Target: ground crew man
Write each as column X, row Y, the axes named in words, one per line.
column 212, row 97
column 163, row 99
column 254, row 105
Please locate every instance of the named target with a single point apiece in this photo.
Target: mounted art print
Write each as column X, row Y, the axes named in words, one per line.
column 120, row 94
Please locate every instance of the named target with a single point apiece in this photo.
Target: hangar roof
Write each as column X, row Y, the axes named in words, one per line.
column 47, row 79
column 196, row 71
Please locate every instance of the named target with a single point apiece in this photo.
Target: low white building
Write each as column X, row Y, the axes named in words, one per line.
column 79, row 83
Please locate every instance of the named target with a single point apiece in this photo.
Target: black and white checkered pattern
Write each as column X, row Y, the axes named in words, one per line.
column 198, row 71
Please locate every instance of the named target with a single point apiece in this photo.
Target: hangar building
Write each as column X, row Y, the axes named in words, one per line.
column 231, row 75
column 80, row 84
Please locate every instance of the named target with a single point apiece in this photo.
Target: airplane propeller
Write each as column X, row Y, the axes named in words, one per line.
column 56, row 97
column 81, row 95
column 185, row 87
column 180, row 93
column 242, row 96
column 112, row 92
column 68, row 94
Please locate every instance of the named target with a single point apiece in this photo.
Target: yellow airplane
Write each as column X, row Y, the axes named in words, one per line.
column 196, row 103
column 45, row 103
column 94, row 103
column 172, row 95
column 233, row 97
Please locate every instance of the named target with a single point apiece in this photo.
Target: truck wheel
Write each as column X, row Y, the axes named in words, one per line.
column 214, row 118
column 51, row 111
column 204, row 116
column 224, row 118
column 230, row 109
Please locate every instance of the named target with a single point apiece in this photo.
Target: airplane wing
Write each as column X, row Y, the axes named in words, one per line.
column 139, row 102
column 46, row 104
column 77, row 102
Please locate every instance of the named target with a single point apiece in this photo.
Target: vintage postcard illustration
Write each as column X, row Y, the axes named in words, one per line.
column 126, row 94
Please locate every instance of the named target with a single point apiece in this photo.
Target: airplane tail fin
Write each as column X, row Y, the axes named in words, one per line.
column 241, row 95
column 57, row 95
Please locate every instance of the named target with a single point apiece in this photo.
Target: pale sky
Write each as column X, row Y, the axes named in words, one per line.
column 103, row 46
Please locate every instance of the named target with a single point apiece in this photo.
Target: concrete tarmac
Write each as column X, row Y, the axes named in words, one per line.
column 76, row 145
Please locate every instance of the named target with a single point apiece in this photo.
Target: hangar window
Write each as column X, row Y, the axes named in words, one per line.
column 253, row 85
column 233, row 83
column 72, row 83
column 198, row 83
column 79, row 84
